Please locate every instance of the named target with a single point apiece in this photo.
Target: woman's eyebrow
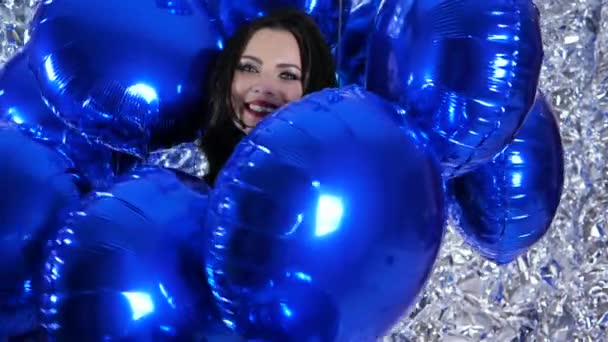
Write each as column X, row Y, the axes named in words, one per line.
column 280, row 65
column 288, row 65
column 253, row 58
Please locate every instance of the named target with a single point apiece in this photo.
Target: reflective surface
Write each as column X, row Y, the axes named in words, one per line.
column 325, row 222
column 328, row 14
column 129, row 264
column 352, row 54
column 22, row 104
column 14, row 32
column 507, row 205
column 186, row 157
column 130, row 74
column 467, row 71
column 37, row 189
column 23, row 107
column 540, row 296
column 541, row 289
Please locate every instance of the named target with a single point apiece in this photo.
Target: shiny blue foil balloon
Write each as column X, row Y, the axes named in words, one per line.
column 351, row 53
column 22, row 106
column 129, row 74
column 508, row 204
column 328, row 14
column 128, row 266
column 466, row 71
column 325, row 223
column 38, row 190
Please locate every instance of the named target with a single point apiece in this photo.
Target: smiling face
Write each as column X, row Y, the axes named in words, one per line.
column 268, row 76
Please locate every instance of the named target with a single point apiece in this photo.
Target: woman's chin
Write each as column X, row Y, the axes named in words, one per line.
column 250, row 121
column 245, row 125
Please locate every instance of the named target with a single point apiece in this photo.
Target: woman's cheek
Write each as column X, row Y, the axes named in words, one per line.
column 294, row 92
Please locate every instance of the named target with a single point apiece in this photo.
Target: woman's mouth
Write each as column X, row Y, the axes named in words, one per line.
column 259, row 108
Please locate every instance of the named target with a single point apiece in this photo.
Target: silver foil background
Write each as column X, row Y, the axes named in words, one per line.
column 559, row 290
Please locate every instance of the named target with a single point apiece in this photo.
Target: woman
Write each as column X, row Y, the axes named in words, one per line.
column 268, row 63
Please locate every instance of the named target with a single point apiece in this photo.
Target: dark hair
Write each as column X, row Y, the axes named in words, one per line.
column 220, row 134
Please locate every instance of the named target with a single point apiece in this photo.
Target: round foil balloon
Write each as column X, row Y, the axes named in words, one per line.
column 328, row 14
column 38, row 190
column 128, row 266
column 22, row 104
column 508, row 204
column 129, row 74
column 466, row 71
column 325, row 222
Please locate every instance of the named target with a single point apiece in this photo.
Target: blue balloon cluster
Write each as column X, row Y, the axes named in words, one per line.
column 466, row 71
column 327, row 219
column 128, row 264
column 98, row 85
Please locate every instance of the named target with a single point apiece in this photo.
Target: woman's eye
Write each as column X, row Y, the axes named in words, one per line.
column 246, row 67
column 289, row 76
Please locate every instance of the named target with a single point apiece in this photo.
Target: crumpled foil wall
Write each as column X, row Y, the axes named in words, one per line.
column 559, row 290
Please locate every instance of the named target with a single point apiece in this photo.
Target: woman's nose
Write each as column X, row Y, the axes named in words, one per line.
column 265, row 86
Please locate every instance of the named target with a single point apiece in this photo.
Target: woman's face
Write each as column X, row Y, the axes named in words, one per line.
column 268, row 75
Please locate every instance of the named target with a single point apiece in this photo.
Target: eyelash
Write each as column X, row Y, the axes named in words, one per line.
column 246, row 67
column 289, row 76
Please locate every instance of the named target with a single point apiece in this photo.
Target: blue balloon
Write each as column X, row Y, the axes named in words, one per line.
column 128, row 266
column 352, row 50
column 325, row 222
column 37, row 190
column 20, row 325
column 129, row 74
column 22, row 104
column 466, row 70
column 328, row 14
column 508, row 204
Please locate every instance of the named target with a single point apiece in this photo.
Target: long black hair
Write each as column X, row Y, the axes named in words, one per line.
column 221, row 134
